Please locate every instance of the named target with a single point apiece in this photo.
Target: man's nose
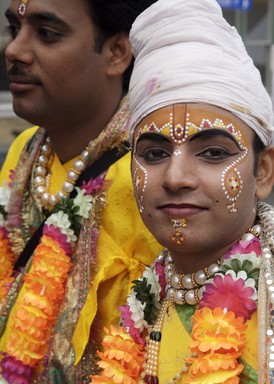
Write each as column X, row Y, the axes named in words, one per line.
column 20, row 49
column 181, row 172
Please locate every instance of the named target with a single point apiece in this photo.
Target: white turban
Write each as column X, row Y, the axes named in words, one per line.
column 185, row 51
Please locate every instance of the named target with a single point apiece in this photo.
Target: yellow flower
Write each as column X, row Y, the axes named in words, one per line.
column 217, row 331
column 214, row 369
column 122, row 359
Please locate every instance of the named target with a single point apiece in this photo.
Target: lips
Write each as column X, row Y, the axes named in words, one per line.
column 181, row 210
column 21, row 83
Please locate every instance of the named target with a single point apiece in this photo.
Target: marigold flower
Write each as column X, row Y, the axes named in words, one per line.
column 122, row 358
column 214, row 369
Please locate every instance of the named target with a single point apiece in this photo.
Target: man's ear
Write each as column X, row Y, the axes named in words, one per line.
column 117, row 50
column 265, row 176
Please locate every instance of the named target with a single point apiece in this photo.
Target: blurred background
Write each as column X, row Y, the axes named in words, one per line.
column 254, row 19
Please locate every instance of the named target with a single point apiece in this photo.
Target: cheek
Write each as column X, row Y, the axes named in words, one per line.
column 140, row 178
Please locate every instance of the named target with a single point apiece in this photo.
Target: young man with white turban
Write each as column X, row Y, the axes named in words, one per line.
column 202, row 163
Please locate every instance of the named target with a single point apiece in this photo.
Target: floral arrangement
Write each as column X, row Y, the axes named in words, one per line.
column 219, row 322
column 36, row 309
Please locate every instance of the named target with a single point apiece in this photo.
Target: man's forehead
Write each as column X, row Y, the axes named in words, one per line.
column 22, row 7
column 181, row 121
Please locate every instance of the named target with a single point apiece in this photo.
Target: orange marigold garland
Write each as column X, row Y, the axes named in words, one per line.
column 219, row 323
column 36, row 309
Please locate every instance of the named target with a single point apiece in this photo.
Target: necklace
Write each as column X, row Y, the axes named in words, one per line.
column 42, row 174
column 187, row 288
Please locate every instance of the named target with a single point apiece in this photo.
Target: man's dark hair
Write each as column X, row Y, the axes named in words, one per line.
column 111, row 17
column 258, row 147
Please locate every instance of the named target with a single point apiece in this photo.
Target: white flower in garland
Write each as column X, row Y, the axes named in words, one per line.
column 255, row 260
column 61, row 220
column 153, row 280
column 84, row 202
column 137, row 311
column 5, row 192
column 3, row 381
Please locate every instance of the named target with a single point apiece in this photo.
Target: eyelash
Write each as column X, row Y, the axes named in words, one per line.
column 46, row 34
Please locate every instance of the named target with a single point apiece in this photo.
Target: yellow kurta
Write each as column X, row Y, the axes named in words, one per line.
column 124, row 244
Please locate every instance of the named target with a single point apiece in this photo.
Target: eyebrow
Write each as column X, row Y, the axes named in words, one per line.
column 39, row 16
column 207, row 133
column 152, row 136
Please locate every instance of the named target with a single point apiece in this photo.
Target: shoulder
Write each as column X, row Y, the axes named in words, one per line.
column 14, row 152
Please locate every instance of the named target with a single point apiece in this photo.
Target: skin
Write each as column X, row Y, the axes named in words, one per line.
column 184, row 181
column 56, row 77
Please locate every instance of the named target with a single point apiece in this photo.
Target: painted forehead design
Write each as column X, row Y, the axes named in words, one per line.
column 181, row 132
column 22, row 7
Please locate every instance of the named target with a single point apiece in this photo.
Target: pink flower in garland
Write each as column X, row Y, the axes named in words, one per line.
column 129, row 324
column 56, row 234
column 160, row 271
column 230, row 294
column 15, row 371
column 245, row 247
column 93, row 185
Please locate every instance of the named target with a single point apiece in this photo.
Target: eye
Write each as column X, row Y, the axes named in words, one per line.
column 215, row 153
column 154, row 154
column 12, row 30
column 49, row 35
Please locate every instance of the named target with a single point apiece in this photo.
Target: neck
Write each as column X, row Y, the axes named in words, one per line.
column 69, row 138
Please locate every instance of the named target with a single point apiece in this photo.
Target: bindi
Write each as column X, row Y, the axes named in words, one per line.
column 22, row 8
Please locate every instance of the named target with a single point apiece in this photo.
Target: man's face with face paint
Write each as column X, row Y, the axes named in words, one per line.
column 193, row 176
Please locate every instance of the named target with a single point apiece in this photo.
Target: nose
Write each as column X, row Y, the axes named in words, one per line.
column 181, row 172
column 20, row 49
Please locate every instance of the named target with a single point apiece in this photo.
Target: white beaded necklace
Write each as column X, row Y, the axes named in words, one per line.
column 42, row 174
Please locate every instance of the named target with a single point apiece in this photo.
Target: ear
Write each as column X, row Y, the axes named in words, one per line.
column 265, row 177
column 117, row 50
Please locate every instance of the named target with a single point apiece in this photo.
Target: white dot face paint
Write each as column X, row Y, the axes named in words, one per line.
column 200, row 172
column 22, row 8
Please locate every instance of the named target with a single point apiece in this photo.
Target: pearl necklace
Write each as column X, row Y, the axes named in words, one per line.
column 42, row 174
column 188, row 288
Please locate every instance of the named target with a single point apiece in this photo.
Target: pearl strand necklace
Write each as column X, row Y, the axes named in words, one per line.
column 41, row 175
column 153, row 341
column 187, row 288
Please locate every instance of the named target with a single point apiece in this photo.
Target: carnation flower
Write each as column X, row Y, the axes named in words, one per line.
column 93, row 185
column 61, row 220
column 137, row 311
column 244, row 248
column 83, row 202
column 153, row 280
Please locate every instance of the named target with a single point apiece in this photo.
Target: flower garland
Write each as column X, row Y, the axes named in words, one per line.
column 219, row 322
column 37, row 308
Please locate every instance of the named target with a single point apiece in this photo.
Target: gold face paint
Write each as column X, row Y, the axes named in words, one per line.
column 22, row 8
column 178, row 225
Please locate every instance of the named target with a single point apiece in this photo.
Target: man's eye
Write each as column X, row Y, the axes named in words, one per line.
column 12, row 30
column 152, row 155
column 49, row 35
column 215, row 153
